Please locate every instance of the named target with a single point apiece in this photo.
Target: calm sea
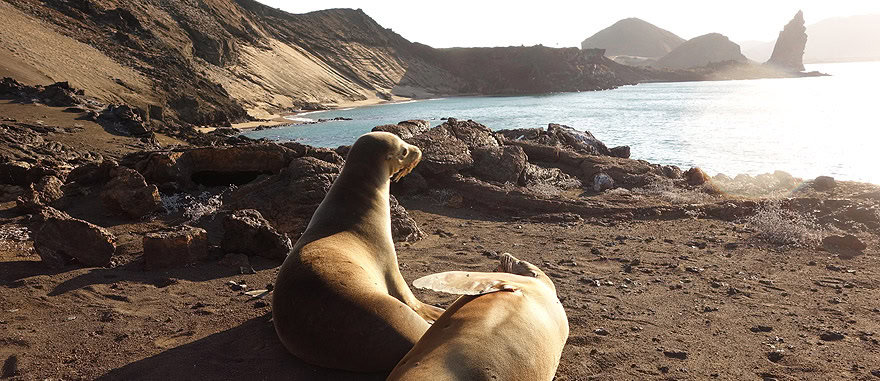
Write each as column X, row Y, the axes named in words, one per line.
column 804, row 126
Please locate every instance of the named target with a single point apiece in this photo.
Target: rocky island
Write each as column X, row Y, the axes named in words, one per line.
column 134, row 245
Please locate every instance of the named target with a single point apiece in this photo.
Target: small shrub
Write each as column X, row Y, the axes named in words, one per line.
column 194, row 207
column 667, row 191
column 779, row 226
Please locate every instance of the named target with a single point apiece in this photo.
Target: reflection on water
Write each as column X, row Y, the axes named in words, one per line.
column 805, row 126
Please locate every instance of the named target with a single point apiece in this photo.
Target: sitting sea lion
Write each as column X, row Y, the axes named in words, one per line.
column 508, row 326
column 340, row 300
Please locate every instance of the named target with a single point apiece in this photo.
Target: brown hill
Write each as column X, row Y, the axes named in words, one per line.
column 634, row 37
column 701, row 51
column 219, row 61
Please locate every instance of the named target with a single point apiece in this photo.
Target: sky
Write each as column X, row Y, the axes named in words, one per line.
column 457, row 23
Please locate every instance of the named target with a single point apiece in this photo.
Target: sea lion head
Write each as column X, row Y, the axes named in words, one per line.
column 394, row 154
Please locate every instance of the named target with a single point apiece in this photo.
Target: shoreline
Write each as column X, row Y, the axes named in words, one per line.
column 279, row 120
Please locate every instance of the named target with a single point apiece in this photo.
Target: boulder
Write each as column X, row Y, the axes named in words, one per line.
column 405, row 129
column 15, row 173
column 442, row 152
column 846, row 246
column 49, row 189
column 534, row 175
column 473, row 134
column 289, row 198
column 124, row 120
column 175, row 247
column 671, row 171
column 129, row 194
column 501, row 164
column 92, row 173
column 622, row 152
column 403, row 227
column 247, row 232
column 824, row 183
column 59, row 237
column 695, row 176
column 561, row 136
column 602, row 182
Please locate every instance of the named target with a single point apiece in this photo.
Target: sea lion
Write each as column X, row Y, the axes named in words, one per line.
column 340, row 301
column 508, row 326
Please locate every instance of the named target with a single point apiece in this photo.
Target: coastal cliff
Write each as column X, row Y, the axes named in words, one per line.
column 218, row 62
column 215, row 62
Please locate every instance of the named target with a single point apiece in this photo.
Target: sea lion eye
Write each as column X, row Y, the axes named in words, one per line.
column 404, row 151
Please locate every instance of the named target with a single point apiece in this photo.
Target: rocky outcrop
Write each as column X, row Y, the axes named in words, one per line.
column 129, row 194
column 564, row 137
column 633, row 37
column 58, row 94
column 175, row 247
column 701, row 51
column 125, row 120
column 501, row 164
column 214, row 166
column 788, row 54
column 406, row 129
column 403, row 227
column 59, row 238
column 288, row 199
column 247, row 232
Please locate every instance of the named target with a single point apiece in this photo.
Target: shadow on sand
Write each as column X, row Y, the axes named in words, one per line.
column 250, row 351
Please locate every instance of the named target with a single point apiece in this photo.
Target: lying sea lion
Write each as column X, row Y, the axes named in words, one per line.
column 507, row 326
column 340, row 301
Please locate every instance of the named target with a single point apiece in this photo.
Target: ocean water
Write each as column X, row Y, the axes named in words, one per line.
column 804, row 126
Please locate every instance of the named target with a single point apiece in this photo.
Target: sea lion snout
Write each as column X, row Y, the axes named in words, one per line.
column 410, row 156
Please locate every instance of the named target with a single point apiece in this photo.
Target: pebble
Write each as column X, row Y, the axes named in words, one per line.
column 10, row 367
column 761, row 328
column 831, row 336
column 601, row 332
column 775, row 356
column 236, row 286
column 681, row 355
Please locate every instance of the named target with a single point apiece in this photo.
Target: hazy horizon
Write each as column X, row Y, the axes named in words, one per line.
column 457, row 23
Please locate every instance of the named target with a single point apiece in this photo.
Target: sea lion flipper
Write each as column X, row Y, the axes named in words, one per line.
column 464, row 283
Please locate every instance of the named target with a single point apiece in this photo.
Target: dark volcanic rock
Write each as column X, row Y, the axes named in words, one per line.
column 501, row 164
column 403, row 227
column 247, row 232
column 788, row 54
column 561, row 136
column 59, row 237
column 49, row 189
column 175, row 247
column 405, row 129
column 15, row 173
column 621, row 152
column 824, row 183
column 125, row 120
column 442, row 152
column 58, row 94
column 92, row 173
column 844, row 245
column 696, row 176
column 128, row 193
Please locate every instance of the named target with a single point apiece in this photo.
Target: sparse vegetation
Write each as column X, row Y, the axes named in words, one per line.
column 667, row 191
column 194, row 207
column 779, row 226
